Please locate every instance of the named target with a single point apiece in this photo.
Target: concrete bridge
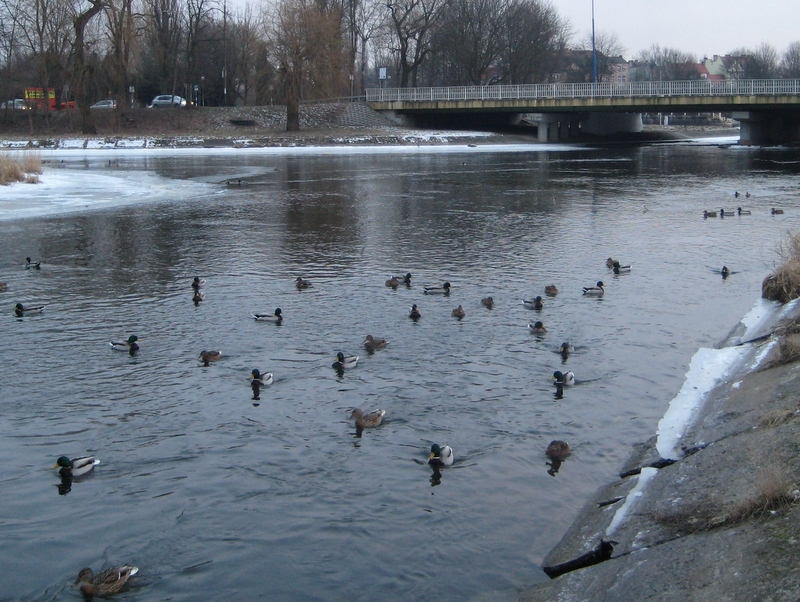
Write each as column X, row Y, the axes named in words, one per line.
column 768, row 110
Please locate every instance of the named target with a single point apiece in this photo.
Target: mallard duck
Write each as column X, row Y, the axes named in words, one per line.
column 458, row 312
column 536, row 303
column 557, row 450
column 776, row 211
column 209, row 356
column 260, row 378
column 20, row 310
column 487, row 302
column 407, row 279
column 365, row 421
column 610, row 262
column 393, row 282
column 438, row 290
column 619, row 269
column 707, row 213
column 741, row 211
column 104, row 583
column 197, row 297
column 537, row 328
column 372, row 343
column 550, row 290
column 130, row 345
column 198, row 282
column 75, row 467
column 594, row 291
column 273, row 317
column 747, row 195
column 441, row 456
column 723, row 213
column 414, row 313
column 725, row 272
column 32, row 264
column 344, row 362
column 301, row 284
column 566, row 348
column 3, row 287
column 564, row 379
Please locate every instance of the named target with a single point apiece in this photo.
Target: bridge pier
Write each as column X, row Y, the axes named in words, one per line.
column 768, row 127
column 606, row 124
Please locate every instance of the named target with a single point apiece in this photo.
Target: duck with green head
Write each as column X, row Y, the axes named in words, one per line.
column 441, row 456
column 20, row 310
column 75, row 467
column 130, row 345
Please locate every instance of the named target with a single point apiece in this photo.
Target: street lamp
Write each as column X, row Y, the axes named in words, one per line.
column 594, row 50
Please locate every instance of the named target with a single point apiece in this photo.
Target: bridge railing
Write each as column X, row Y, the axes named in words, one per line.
column 746, row 87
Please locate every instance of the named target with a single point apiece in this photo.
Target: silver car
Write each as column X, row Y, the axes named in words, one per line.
column 168, row 100
column 104, row 104
column 18, row 104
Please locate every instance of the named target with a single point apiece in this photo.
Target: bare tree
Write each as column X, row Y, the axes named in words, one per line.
column 666, row 64
column 121, row 38
column 245, row 53
column 81, row 72
column 790, row 62
column 759, row 63
column 607, row 46
column 412, row 23
column 164, row 33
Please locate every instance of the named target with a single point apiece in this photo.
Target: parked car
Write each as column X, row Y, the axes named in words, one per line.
column 18, row 104
column 168, row 100
column 104, row 104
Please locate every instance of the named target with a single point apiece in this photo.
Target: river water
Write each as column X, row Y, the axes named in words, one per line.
column 217, row 496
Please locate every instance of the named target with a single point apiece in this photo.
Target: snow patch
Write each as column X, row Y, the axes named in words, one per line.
column 635, row 493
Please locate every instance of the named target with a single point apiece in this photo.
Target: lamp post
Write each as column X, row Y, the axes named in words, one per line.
column 594, row 50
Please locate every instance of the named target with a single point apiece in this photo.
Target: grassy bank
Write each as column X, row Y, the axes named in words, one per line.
column 25, row 167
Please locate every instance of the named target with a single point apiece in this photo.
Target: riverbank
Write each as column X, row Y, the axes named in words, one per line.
column 720, row 520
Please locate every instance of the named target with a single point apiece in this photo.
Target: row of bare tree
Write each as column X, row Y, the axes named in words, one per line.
column 285, row 51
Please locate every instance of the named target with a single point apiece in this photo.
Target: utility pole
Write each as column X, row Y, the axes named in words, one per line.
column 594, row 50
column 225, row 52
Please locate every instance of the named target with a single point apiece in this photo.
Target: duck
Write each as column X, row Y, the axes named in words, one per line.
column 564, row 378
column 537, row 328
column 75, row 467
column 557, row 450
column 618, row 269
column 487, row 302
column 275, row 316
column 407, row 279
column 210, row 356
column 198, row 282
column 260, row 378
column 566, row 348
column 21, row 310
column 741, row 211
column 393, row 282
column 747, row 195
column 533, row 303
column 776, row 211
column 594, row 291
column 550, row 290
column 104, row 583
column 364, row 421
column 344, row 362
column 414, row 313
column 458, row 312
column 723, row 213
column 130, row 345
column 438, row 290
column 371, row 342
column 725, row 272
column 707, row 213
column 441, row 456
column 197, row 297
column 301, row 284
column 3, row 287
column 32, row 264
column 736, row 194
column 610, row 262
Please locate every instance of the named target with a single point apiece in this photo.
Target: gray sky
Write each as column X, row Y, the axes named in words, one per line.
column 702, row 27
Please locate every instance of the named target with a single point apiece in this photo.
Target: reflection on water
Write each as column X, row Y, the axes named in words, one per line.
column 211, row 487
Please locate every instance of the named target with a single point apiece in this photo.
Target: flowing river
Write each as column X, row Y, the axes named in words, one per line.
column 215, row 495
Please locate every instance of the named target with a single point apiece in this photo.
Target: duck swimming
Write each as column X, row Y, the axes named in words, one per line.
column 260, row 378
column 345, row 362
column 723, row 213
column 104, row 583
column 393, row 282
column 276, row 316
column 372, row 343
column 564, row 379
column 619, row 269
column 487, row 302
column 20, row 310
column 407, row 279
column 741, row 211
column 707, row 214
column 609, row 263
column 438, row 290
column 37, row 265
column 441, row 456
column 198, row 282
column 209, row 356
column 536, row 303
column 725, row 272
column 558, row 450
column 75, row 467
column 594, row 291
column 130, row 345
column 364, row 421
column 197, row 297
column 550, row 290
column 537, row 328
column 414, row 313
column 301, row 284
column 776, row 211
column 458, row 312
column 566, row 348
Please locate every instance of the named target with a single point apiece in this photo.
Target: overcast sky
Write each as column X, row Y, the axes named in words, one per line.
column 702, row 27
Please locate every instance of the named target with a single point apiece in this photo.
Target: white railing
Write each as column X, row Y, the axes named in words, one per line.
column 747, row 87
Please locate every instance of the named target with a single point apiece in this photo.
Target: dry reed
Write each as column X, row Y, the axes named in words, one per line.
column 784, row 284
column 20, row 169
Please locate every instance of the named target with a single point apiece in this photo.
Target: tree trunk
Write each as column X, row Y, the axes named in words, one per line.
column 80, row 69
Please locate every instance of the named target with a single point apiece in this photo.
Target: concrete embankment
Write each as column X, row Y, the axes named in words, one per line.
column 721, row 522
